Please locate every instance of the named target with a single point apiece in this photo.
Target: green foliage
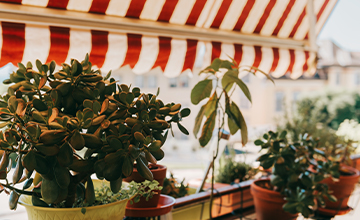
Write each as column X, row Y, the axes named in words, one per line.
column 320, row 115
column 297, row 169
column 326, row 109
column 215, row 103
column 174, row 188
column 50, row 116
column 234, row 172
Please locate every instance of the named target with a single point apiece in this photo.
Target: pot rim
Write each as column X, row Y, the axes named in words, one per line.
column 259, row 188
column 355, row 175
column 67, row 209
column 96, row 181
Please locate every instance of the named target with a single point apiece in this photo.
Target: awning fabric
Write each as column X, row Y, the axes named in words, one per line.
column 261, row 23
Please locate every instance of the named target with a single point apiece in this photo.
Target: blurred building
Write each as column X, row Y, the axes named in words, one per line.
column 336, row 68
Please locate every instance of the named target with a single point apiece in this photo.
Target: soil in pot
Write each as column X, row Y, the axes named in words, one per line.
column 268, row 203
column 343, row 188
column 159, row 173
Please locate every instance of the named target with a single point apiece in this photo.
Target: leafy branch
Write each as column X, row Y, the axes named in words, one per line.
column 213, row 109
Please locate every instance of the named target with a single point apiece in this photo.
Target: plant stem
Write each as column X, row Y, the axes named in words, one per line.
column 17, row 190
column 221, row 121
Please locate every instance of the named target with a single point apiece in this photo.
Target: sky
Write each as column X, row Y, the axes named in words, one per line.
column 343, row 25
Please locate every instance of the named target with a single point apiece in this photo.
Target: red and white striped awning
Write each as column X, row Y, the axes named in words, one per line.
column 274, row 35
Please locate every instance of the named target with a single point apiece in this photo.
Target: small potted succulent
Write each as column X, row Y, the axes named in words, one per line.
column 296, row 186
column 167, row 114
column 63, row 126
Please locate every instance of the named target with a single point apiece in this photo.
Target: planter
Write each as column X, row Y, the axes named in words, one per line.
column 268, row 203
column 159, row 173
column 164, row 206
column 341, row 190
column 115, row 210
column 227, row 198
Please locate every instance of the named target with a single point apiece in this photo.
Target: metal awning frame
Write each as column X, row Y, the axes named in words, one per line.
column 90, row 21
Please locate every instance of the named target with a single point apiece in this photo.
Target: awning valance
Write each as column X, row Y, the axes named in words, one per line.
column 274, row 35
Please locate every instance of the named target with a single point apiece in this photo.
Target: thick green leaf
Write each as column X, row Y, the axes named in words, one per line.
column 290, row 207
column 36, row 201
column 77, row 141
column 49, row 190
column 12, row 103
column 52, row 66
column 216, row 64
column 201, row 91
column 65, row 155
column 232, row 126
column 144, row 170
column 115, row 185
column 29, row 161
column 182, row 129
column 62, row 176
column 231, row 77
column 211, row 104
column 235, row 115
column 13, row 200
column 28, row 183
column 18, row 170
column 128, row 166
column 258, row 142
column 90, row 192
column 207, row 129
column 38, row 64
column 185, row 112
column 198, row 120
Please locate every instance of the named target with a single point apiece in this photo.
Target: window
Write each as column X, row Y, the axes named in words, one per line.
column 357, row 78
column 296, row 95
column 246, row 78
column 184, row 81
column 173, row 82
column 139, row 81
column 337, row 78
column 279, row 98
column 152, row 81
column 244, row 101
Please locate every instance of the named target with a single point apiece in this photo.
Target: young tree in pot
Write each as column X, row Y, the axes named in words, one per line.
column 217, row 89
column 298, row 169
column 51, row 116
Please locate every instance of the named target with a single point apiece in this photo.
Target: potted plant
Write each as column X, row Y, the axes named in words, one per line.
column 69, row 124
column 220, row 83
column 157, row 171
column 295, row 186
column 340, row 152
column 172, row 187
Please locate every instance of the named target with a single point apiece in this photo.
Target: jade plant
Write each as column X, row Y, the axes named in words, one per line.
column 297, row 171
column 69, row 124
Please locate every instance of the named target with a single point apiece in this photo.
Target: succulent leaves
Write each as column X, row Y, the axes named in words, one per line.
column 53, row 114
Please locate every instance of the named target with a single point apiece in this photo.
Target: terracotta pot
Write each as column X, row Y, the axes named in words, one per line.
column 342, row 189
column 268, row 203
column 159, row 173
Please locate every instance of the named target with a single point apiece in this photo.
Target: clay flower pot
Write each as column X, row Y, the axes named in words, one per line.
column 341, row 189
column 268, row 203
column 159, row 173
